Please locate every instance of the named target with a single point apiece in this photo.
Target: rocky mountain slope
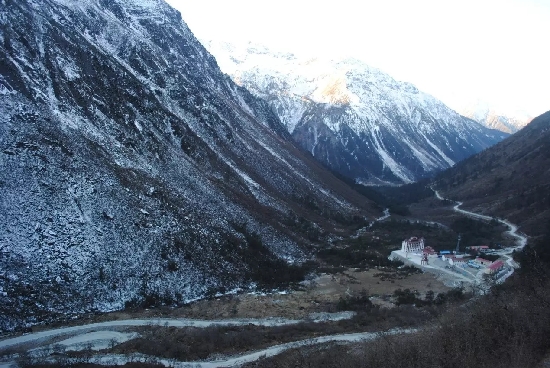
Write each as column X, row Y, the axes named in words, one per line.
column 510, row 179
column 356, row 119
column 132, row 171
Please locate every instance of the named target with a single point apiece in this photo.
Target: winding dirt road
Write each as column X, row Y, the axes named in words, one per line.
column 513, row 229
column 238, row 360
column 82, row 332
column 167, row 322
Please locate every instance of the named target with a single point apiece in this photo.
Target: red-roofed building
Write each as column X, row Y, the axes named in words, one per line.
column 495, row 266
column 429, row 251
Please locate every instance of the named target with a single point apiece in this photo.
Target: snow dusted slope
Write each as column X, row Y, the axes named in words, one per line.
column 133, row 172
column 356, row 119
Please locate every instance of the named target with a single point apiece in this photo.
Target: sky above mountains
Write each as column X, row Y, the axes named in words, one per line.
column 462, row 52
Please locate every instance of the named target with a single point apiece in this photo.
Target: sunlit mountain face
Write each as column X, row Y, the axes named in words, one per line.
column 355, row 119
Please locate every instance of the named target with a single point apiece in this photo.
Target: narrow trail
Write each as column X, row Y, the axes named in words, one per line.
column 385, row 216
column 381, row 218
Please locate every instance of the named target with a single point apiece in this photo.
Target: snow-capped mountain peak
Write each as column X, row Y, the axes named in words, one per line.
column 505, row 119
column 354, row 118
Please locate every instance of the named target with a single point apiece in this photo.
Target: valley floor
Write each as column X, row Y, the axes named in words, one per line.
column 97, row 342
column 312, row 315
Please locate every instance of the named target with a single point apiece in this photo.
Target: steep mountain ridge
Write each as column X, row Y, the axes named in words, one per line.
column 133, row 171
column 510, row 179
column 356, row 119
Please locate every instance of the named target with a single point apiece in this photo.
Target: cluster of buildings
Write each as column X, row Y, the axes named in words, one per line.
column 417, row 246
column 490, row 267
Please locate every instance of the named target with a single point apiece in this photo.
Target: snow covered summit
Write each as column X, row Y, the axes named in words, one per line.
column 356, row 119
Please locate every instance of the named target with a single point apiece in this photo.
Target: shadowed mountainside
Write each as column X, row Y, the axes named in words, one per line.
column 510, row 179
column 133, row 172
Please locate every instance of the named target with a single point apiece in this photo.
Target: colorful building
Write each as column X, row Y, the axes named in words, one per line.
column 413, row 245
column 429, row 251
column 495, row 267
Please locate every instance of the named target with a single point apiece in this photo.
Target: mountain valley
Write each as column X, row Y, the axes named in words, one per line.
column 156, row 212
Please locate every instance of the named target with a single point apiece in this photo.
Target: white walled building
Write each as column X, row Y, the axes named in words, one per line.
column 412, row 245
